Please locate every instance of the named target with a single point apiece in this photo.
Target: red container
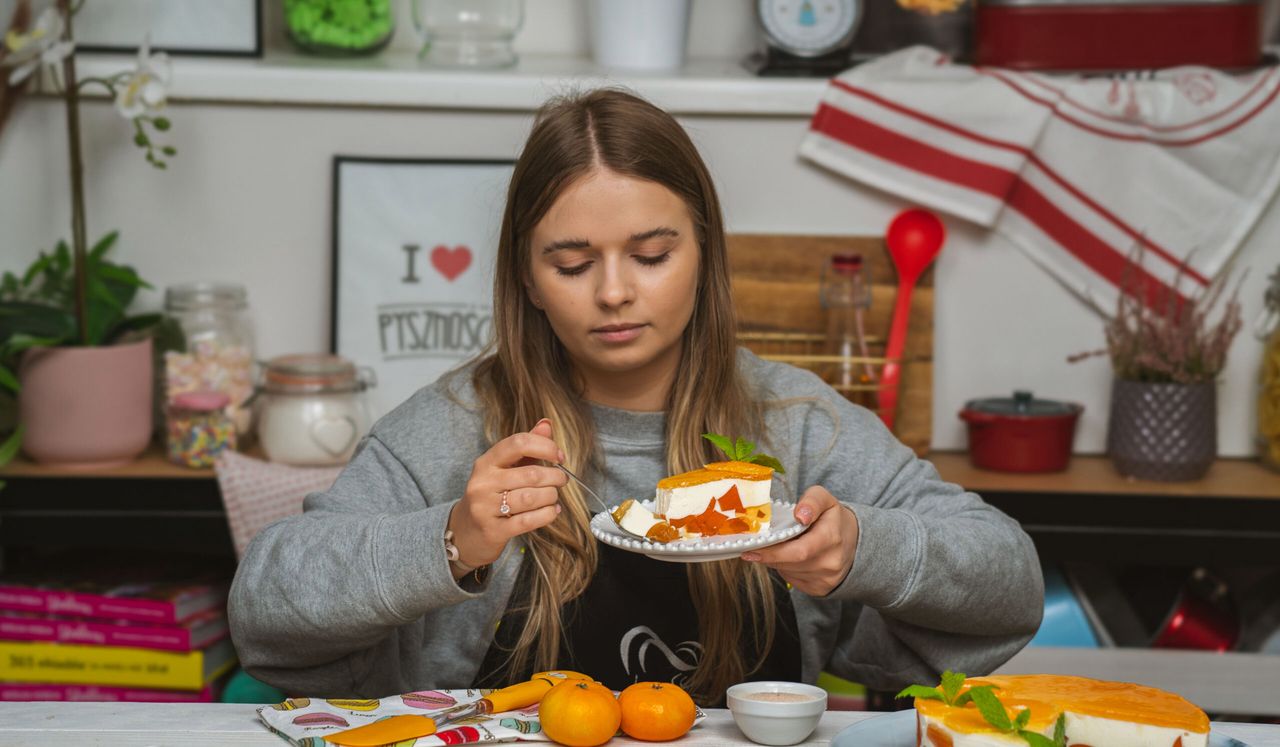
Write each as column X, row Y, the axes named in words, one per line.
column 1202, row 617
column 1021, row 434
column 1125, row 35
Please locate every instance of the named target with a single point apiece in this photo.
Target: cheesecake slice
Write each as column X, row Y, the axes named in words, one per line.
column 1096, row 713
column 721, row 498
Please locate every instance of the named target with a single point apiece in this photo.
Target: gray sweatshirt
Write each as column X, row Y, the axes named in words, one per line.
column 354, row 597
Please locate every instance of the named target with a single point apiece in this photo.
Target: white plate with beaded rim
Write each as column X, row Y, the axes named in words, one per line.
column 782, row 527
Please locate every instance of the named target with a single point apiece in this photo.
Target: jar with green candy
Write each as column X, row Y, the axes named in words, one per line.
column 339, row 26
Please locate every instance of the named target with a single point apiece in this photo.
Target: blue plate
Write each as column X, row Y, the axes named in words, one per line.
column 898, row 729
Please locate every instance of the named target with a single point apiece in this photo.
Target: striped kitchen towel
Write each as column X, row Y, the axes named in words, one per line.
column 1076, row 171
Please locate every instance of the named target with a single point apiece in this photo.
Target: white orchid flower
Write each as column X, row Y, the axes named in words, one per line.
column 146, row 88
column 43, row 45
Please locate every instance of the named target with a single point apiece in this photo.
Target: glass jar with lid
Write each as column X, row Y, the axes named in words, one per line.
column 312, row 409
column 217, row 351
column 468, row 33
column 339, row 27
column 845, row 295
column 198, row 428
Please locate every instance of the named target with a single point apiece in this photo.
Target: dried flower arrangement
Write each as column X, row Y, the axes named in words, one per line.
column 1160, row 337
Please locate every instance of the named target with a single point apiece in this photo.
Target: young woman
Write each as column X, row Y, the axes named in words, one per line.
column 450, row 553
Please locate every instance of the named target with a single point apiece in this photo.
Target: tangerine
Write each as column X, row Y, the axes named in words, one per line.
column 656, row 711
column 579, row 713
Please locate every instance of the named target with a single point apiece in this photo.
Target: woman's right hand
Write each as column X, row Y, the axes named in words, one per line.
column 507, row 474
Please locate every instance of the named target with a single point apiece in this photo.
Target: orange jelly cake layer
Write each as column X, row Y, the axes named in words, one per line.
column 720, row 498
column 1098, row 713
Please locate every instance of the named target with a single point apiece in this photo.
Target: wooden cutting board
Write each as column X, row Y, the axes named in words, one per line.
column 776, row 279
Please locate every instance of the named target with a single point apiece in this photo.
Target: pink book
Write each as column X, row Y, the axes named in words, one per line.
column 159, row 603
column 24, row 691
column 201, row 630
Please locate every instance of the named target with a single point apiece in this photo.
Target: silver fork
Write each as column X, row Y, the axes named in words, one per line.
column 604, row 506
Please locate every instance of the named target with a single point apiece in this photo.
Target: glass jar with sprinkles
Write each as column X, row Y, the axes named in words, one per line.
column 217, row 353
column 199, row 428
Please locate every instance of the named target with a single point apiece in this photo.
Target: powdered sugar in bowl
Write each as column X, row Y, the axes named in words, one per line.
column 776, row 713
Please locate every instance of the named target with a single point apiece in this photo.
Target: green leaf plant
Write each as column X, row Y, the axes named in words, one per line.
column 74, row 295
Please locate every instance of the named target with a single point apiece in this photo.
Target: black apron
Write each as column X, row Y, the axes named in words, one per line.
column 636, row 623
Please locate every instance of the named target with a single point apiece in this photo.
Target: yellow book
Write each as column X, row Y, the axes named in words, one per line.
column 24, row 661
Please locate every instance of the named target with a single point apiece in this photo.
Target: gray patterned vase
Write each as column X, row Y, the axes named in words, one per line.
column 1165, row 432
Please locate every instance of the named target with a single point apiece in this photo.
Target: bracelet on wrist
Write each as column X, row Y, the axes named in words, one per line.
column 479, row 572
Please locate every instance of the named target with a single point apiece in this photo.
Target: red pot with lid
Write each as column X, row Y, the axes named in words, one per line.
column 1021, row 433
column 1100, row 35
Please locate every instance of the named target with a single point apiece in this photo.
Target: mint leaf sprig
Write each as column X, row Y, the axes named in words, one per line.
column 743, row 450
column 993, row 711
column 989, row 705
column 948, row 691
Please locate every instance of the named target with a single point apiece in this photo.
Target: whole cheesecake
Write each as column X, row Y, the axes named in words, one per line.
column 1097, row 713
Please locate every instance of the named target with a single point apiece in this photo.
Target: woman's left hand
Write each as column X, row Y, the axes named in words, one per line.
column 817, row 561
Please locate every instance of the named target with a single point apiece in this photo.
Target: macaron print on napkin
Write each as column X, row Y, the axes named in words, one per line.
column 305, row 722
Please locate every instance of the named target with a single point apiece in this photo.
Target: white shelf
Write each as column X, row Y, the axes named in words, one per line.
column 397, row 79
column 1220, row 683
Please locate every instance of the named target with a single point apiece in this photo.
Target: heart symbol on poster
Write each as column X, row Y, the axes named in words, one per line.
column 451, row 262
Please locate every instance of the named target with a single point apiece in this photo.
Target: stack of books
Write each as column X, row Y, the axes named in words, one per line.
column 104, row 640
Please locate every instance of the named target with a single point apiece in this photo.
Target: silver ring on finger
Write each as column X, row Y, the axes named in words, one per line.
column 504, row 508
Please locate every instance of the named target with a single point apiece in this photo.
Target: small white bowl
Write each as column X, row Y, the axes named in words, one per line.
column 776, row 722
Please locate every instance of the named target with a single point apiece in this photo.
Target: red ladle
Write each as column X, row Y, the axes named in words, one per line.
column 914, row 238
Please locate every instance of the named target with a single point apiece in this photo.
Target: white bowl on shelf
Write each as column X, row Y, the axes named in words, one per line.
column 789, row 719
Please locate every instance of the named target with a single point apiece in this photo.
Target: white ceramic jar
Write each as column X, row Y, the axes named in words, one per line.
column 643, row 36
column 312, row 409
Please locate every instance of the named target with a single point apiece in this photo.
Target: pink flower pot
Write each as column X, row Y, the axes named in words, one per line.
column 86, row 407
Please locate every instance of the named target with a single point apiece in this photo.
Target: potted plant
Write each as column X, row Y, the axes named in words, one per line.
column 1166, row 352
column 84, row 368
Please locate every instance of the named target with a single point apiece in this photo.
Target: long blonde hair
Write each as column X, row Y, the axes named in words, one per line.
column 529, row 375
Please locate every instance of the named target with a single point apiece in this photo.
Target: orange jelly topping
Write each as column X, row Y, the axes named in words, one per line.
column 742, row 470
column 717, row 471
column 968, row 720
column 731, row 501
column 662, row 532
column 756, row 516
column 711, row 522
column 1047, row 695
column 707, row 523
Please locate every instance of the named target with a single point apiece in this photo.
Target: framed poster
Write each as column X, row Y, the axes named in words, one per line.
column 413, row 248
column 196, row 27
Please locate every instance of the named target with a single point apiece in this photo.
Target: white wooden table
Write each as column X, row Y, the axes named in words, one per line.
column 192, row 725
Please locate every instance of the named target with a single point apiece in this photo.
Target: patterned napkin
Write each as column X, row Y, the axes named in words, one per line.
column 305, row 722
